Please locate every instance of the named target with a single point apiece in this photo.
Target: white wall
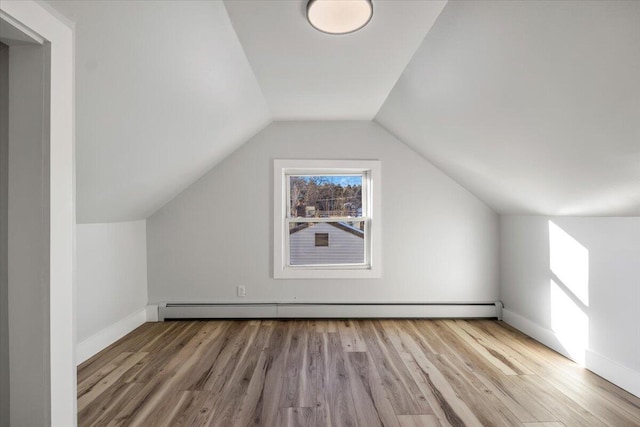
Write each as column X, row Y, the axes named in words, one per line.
column 439, row 241
column 112, row 275
column 601, row 254
column 28, row 236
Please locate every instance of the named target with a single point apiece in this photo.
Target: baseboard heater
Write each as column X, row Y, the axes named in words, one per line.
column 327, row 310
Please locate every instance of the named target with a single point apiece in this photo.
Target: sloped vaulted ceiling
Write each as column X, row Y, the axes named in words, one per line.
column 306, row 74
column 163, row 92
column 533, row 106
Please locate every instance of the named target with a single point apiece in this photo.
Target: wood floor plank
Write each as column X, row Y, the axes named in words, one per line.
column 159, row 354
column 134, row 401
column 449, row 408
column 350, row 337
column 496, row 358
column 332, row 326
column 307, row 372
column 89, row 382
column 495, row 347
column 486, row 407
column 603, row 405
column 337, row 389
column 492, row 378
column 418, row 421
column 89, row 394
column 172, row 407
column 372, row 405
column 235, row 391
column 401, row 332
column 217, row 369
column 159, row 338
column 297, row 390
column 517, row 400
column 178, row 368
column 267, row 407
column 427, row 335
column 194, row 409
column 320, row 361
column 130, row 343
column 405, row 396
column 255, row 390
column 103, row 410
column 320, row 325
column 567, row 411
column 297, row 417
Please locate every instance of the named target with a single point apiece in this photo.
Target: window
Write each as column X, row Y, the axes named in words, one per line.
column 327, row 219
column 322, row 239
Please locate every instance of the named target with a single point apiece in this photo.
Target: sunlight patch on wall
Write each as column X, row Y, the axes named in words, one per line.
column 570, row 323
column 569, row 292
column 569, row 261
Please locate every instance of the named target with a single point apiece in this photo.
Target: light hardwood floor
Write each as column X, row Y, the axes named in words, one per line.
column 342, row 372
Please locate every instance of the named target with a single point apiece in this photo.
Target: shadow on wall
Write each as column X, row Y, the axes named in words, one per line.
column 569, row 292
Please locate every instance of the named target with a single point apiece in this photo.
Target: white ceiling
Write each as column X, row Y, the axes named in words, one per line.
column 532, row 106
column 164, row 92
column 306, row 74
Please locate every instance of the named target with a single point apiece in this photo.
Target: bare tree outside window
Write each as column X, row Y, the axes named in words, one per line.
column 324, row 213
column 325, row 196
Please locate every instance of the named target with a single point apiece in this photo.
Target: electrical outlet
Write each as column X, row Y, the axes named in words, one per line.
column 242, row 291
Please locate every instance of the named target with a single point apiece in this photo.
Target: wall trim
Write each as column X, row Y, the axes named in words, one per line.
column 60, row 409
column 539, row 333
column 112, row 333
column 152, row 313
column 325, row 310
column 622, row 376
column 612, row 371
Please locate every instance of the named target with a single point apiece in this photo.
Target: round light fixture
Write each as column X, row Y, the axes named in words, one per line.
column 339, row 16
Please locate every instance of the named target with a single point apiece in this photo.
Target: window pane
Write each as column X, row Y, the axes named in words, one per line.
column 322, row 239
column 340, row 243
column 325, row 196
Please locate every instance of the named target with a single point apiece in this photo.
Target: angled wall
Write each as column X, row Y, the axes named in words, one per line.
column 439, row 241
column 111, row 283
column 574, row 284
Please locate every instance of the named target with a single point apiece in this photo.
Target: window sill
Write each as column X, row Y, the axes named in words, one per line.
column 327, row 273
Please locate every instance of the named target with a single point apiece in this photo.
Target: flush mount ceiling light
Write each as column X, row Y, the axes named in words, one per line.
column 339, row 16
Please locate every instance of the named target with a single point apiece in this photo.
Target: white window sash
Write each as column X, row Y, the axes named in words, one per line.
column 327, row 219
column 364, row 265
column 370, row 173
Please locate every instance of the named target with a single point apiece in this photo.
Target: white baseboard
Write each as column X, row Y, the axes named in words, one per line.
column 385, row 311
column 535, row 331
column 112, row 333
column 152, row 313
column 328, row 310
column 613, row 371
column 620, row 375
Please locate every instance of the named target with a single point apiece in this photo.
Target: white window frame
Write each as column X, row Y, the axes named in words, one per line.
column 371, row 215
